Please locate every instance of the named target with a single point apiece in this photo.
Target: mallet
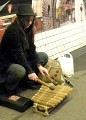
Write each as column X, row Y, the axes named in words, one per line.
column 52, row 87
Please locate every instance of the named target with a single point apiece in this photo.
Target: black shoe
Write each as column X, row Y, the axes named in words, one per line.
column 30, row 85
column 34, row 87
column 5, row 93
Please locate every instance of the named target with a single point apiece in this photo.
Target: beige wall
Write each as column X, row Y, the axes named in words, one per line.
column 78, row 14
column 37, row 7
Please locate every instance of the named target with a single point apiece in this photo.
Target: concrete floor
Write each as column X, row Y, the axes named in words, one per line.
column 72, row 108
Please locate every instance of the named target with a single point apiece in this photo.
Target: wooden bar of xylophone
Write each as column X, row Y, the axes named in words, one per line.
column 46, row 99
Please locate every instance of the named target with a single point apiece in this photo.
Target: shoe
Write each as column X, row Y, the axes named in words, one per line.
column 5, row 93
column 34, row 87
column 30, row 85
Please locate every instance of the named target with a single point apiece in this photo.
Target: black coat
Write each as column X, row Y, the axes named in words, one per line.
column 17, row 47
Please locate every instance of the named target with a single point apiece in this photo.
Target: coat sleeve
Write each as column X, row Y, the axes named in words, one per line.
column 15, row 49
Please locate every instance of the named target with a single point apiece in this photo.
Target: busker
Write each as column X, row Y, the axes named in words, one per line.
column 19, row 61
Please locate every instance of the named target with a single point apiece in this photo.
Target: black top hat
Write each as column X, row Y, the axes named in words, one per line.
column 25, row 9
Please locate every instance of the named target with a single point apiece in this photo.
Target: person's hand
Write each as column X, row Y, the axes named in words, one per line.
column 33, row 76
column 43, row 71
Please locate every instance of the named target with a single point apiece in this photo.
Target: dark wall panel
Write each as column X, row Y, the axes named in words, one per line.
column 15, row 5
column 16, row 1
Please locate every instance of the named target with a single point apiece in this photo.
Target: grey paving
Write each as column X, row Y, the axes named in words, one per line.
column 72, row 108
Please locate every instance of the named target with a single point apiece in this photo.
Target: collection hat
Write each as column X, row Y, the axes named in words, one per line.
column 25, row 9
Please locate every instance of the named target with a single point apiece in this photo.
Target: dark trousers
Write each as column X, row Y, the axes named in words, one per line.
column 17, row 73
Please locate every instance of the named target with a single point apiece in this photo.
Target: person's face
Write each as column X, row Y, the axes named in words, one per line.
column 28, row 22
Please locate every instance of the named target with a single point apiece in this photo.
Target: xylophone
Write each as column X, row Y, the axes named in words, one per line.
column 46, row 99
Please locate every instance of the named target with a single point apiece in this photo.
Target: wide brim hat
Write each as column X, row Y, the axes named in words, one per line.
column 25, row 9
